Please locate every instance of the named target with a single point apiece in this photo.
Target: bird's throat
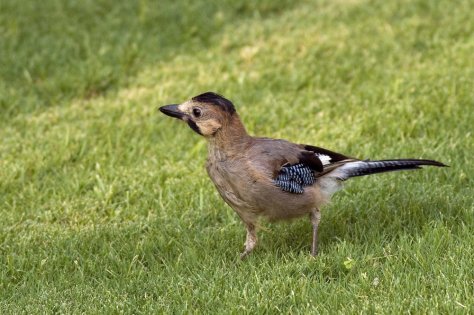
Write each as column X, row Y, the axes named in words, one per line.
column 230, row 139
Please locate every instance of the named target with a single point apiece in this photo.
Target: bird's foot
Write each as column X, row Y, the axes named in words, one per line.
column 249, row 246
column 244, row 254
column 250, row 241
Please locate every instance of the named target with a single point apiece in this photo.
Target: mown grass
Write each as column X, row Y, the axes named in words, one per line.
column 106, row 206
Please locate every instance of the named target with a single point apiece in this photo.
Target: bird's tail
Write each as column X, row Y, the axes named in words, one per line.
column 361, row 168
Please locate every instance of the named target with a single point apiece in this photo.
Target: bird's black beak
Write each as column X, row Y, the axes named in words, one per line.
column 172, row 110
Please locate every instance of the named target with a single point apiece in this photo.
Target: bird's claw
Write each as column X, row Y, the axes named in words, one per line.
column 244, row 254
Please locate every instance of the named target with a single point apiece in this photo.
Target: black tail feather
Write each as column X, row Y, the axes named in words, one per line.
column 361, row 168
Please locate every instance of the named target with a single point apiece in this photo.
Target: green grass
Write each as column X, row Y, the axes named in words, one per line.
column 105, row 205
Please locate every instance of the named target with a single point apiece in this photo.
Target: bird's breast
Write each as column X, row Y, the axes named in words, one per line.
column 232, row 181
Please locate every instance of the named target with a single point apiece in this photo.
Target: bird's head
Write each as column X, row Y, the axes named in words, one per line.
column 206, row 113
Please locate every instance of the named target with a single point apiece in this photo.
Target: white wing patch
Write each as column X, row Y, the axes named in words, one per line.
column 325, row 159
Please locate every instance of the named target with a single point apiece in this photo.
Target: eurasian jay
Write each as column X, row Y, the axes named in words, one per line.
column 271, row 178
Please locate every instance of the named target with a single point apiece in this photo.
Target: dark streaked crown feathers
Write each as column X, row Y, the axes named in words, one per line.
column 217, row 100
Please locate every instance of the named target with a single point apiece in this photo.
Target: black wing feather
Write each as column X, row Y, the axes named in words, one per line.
column 335, row 157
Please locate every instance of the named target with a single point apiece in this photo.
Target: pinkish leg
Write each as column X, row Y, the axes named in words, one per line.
column 250, row 241
column 315, row 219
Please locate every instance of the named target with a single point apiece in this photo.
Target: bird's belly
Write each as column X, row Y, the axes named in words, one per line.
column 281, row 205
column 259, row 195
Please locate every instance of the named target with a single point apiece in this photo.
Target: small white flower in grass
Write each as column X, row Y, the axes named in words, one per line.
column 376, row 282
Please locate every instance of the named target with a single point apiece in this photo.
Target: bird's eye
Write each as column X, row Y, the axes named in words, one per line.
column 196, row 112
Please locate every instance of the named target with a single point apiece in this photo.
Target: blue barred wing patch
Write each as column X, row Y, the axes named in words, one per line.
column 294, row 178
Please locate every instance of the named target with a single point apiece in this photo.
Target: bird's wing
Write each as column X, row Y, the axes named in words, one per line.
column 327, row 157
column 295, row 166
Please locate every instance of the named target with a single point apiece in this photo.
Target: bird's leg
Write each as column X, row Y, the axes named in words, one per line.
column 315, row 218
column 250, row 241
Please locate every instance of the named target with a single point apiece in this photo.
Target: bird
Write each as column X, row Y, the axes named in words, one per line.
column 269, row 178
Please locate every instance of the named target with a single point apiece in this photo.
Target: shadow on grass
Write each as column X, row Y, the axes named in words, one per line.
column 57, row 51
column 382, row 222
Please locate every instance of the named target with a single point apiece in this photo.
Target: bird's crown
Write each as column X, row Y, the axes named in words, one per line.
column 215, row 99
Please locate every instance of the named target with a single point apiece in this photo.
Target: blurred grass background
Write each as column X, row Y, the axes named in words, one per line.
column 105, row 205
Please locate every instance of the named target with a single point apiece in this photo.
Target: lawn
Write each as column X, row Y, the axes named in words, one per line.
column 105, row 204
